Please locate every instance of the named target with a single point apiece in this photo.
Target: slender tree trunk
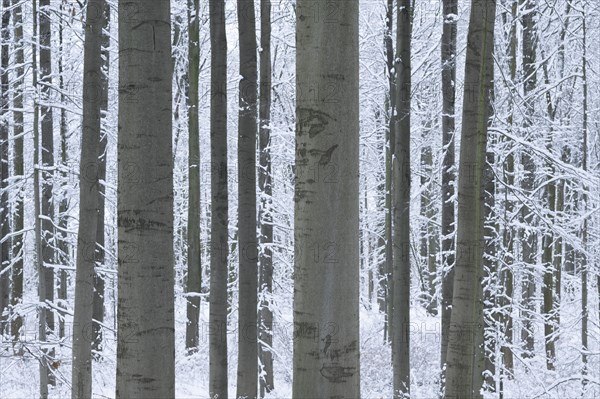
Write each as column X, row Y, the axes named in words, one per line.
column 219, row 243
column 47, row 166
column 389, row 151
column 429, row 235
column 88, row 201
column 145, row 315
column 584, row 230
column 467, row 319
column 326, row 227
column 98, row 306
column 4, row 168
column 19, row 130
column 45, row 373
column 194, row 277
column 401, row 183
column 528, row 234
column 247, row 370
column 448, row 164
column 265, row 182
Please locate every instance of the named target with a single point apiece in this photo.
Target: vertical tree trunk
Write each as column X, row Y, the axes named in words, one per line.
column 219, row 246
column 47, row 166
column 467, row 319
column 528, row 234
column 401, row 182
column 98, row 306
column 429, row 237
column 326, row 227
column 389, row 151
column 265, row 182
column 45, row 373
column 146, row 339
column 584, row 229
column 194, row 277
column 19, row 130
column 89, row 185
column 4, row 169
column 247, row 370
column 450, row 8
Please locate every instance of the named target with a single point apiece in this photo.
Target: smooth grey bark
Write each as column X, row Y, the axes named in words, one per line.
column 5, row 227
column 194, row 272
column 265, row 187
column 145, row 314
column 247, row 368
column 89, row 186
column 467, row 314
column 18, row 162
column 401, row 184
column 99, row 284
column 326, row 222
column 219, row 242
column 528, row 235
column 450, row 9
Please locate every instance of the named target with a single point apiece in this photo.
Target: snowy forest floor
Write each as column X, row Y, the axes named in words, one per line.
column 19, row 374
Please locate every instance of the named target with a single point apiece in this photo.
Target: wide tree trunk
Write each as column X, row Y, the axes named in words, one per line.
column 219, row 243
column 450, row 8
column 145, row 314
column 247, row 370
column 401, row 183
column 326, row 226
column 467, row 317
column 194, row 266
column 265, row 182
column 89, row 185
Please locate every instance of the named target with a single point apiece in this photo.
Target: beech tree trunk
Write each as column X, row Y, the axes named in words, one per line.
column 326, row 227
column 247, row 368
column 462, row 380
column 219, row 242
column 89, row 185
column 145, row 314
column 401, row 183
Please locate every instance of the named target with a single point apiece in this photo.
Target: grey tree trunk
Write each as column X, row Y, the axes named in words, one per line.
column 265, row 182
column 247, row 368
column 467, row 319
column 429, row 247
column 450, row 8
column 4, row 168
column 219, row 243
column 47, row 176
column 326, row 224
column 19, row 130
column 194, row 277
column 401, row 183
column 528, row 235
column 145, row 314
column 98, row 306
column 89, row 185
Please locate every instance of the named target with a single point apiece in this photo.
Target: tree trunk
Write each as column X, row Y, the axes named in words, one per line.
column 265, row 182
column 19, row 130
column 247, row 370
column 194, row 276
column 528, row 235
column 326, row 227
column 467, row 319
column 401, row 182
column 145, row 315
column 98, row 306
column 448, row 164
column 88, row 201
column 4, row 169
column 219, row 243
column 429, row 235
